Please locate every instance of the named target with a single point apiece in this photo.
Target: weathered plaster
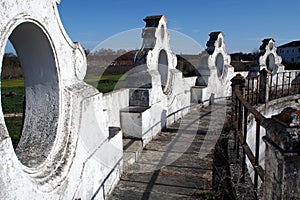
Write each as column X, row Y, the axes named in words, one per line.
column 269, row 59
column 269, row 109
column 65, row 152
column 159, row 94
column 217, row 61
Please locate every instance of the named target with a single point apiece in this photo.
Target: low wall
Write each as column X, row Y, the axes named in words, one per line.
column 113, row 102
column 270, row 108
column 148, row 112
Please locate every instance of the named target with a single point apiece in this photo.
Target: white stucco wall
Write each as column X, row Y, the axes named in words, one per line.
column 65, row 132
column 155, row 71
column 270, row 60
column 267, row 110
column 220, row 74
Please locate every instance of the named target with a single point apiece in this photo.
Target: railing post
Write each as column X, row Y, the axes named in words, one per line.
column 237, row 82
column 263, row 95
column 257, row 144
column 282, row 162
column 245, row 130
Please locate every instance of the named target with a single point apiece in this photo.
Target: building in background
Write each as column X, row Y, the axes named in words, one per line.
column 290, row 52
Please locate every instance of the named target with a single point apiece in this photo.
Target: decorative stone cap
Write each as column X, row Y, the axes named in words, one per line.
column 153, row 21
column 269, row 58
column 211, row 43
column 238, row 80
column 265, row 43
column 286, row 116
column 283, row 130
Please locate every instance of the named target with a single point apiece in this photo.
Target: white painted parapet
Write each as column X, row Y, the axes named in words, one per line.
column 66, row 150
column 159, row 94
column 269, row 58
column 215, row 83
column 272, row 62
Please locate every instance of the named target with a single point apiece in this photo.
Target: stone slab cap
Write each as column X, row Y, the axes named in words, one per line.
column 211, row 43
column 269, row 58
column 265, row 43
column 282, row 132
column 238, row 80
column 286, row 116
column 280, row 136
column 153, row 21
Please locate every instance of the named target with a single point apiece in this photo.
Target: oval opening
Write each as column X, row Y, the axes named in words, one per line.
column 271, row 62
column 163, row 68
column 41, row 102
column 220, row 64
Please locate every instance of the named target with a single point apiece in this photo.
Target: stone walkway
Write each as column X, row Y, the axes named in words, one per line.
column 178, row 162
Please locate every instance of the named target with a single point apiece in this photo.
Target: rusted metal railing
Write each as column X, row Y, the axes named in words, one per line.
column 267, row 86
column 244, row 108
column 248, row 93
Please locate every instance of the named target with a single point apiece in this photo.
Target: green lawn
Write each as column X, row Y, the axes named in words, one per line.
column 11, row 83
column 106, row 83
column 14, row 126
column 14, row 104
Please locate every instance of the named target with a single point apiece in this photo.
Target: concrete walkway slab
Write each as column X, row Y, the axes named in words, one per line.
column 178, row 162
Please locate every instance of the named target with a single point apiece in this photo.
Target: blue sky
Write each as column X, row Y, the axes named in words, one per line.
column 244, row 23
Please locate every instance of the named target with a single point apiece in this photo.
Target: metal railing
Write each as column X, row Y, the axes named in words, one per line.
column 250, row 92
column 267, row 86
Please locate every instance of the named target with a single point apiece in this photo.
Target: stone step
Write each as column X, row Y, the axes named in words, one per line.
column 136, row 123
column 135, row 109
column 136, row 190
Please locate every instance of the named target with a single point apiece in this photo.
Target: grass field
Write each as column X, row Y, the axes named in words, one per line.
column 14, row 126
column 11, row 83
column 107, row 83
column 14, row 103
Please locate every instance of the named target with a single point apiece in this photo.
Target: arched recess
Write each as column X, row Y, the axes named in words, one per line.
column 220, row 64
column 39, row 68
column 271, row 66
column 163, row 68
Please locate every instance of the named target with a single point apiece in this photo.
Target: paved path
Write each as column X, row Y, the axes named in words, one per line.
column 178, row 163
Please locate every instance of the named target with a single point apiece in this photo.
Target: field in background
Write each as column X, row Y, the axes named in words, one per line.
column 107, row 83
column 13, row 93
column 12, row 98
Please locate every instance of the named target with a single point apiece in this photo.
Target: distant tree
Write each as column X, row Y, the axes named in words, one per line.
column 11, row 67
column 86, row 51
column 9, row 55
